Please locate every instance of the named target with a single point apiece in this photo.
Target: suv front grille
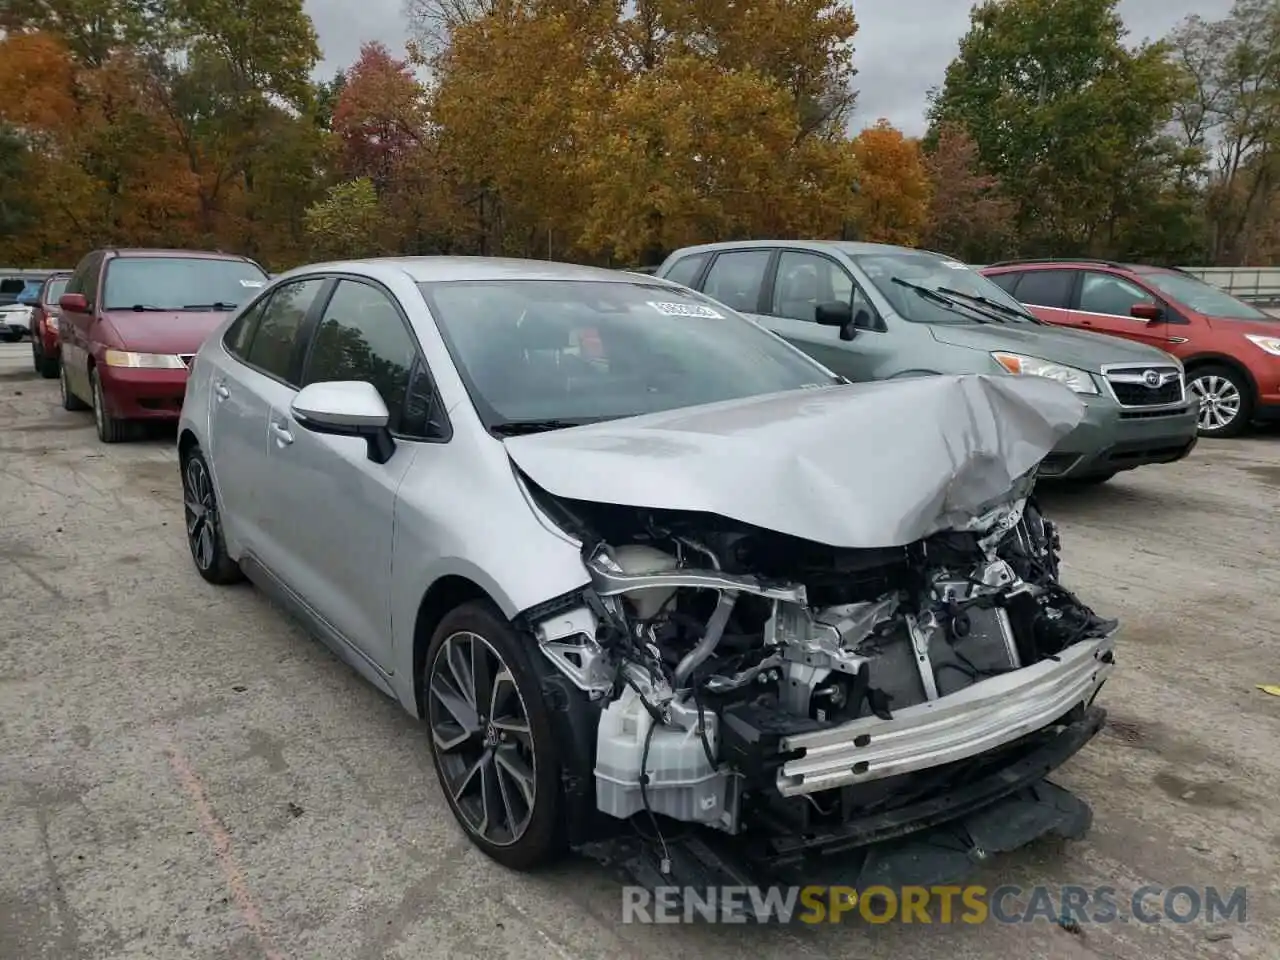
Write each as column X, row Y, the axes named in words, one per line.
column 1152, row 386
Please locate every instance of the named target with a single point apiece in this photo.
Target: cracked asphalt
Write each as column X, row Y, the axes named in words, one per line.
column 184, row 773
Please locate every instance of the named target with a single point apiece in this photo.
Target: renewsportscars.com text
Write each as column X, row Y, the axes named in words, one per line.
column 934, row 905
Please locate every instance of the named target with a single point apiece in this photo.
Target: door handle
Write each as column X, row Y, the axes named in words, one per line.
column 281, row 432
column 220, row 388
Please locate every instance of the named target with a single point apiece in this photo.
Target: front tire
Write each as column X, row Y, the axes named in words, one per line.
column 204, row 522
column 1226, row 400
column 110, row 429
column 491, row 738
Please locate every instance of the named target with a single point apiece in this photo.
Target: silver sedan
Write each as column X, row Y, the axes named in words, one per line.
column 629, row 554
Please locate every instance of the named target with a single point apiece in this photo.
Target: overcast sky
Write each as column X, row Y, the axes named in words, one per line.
column 903, row 46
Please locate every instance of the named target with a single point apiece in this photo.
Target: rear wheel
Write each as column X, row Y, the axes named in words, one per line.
column 204, row 522
column 110, row 429
column 491, row 738
column 1226, row 400
column 47, row 367
column 69, row 400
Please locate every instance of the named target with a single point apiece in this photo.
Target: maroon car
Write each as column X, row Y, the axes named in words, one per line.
column 131, row 322
column 44, row 325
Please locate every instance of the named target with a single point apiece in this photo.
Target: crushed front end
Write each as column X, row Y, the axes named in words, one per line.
column 795, row 700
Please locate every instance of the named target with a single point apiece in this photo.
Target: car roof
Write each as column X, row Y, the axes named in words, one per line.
column 1066, row 263
column 160, row 253
column 430, row 269
column 852, row 248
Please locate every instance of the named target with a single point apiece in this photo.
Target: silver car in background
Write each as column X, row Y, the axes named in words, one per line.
column 630, row 555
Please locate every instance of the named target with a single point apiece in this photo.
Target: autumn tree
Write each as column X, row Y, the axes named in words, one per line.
column 969, row 217
column 380, row 116
column 690, row 151
column 892, row 201
column 504, row 111
column 105, row 170
column 1067, row 115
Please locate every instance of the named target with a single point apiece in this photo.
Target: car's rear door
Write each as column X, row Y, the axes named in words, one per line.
column 255, row 366
column 332, row 534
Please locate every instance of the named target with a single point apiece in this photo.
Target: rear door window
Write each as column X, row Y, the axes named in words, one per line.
column 274, row 344
column 736, row 277
column 1047, row 288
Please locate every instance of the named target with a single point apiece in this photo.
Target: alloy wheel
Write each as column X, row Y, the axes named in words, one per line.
column 483, row 742
column 201, row 511
column 1220, row 401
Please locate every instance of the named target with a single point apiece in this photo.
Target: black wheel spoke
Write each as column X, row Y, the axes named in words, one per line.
column 483, row 742
column 201, row 512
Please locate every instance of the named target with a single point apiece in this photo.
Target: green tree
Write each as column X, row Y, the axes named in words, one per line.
column 346, row 222
column 1069, row 118
column 1230, row 114
column 16, row 209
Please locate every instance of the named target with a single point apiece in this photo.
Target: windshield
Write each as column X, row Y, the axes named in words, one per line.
column 585, row 350
column 894, row 272
column 1203, row 297
column 57, row 286
column 179, row 283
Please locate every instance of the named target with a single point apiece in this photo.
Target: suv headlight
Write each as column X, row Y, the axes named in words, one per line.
column 1269, row 344
column 1079, row 381
column 145, row 361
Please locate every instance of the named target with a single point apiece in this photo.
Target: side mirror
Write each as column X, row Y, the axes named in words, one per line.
column 833, row 314
column 1149, row 312
column 346, row 408
column 74, row 303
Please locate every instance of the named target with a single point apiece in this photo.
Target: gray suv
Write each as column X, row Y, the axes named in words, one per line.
column 871, row 311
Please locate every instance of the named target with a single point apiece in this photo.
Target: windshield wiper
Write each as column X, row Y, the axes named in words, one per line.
column 216, row 305
column 514, row 428
column 931, row 294
column 991, row 304
column 144, row 308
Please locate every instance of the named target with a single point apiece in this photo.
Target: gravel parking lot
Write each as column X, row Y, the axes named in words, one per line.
column 183, row 773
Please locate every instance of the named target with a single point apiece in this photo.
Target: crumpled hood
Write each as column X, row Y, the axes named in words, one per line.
column 1076, row 348
column 865, row 465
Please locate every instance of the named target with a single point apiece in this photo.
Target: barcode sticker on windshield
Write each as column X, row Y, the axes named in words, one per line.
column 253, row 284
column 686, row 310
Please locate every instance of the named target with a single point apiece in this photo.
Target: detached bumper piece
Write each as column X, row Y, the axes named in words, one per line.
column 937, row 840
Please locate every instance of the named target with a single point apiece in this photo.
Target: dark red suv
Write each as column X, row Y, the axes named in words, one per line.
column 1230, row 350
column 131, row 322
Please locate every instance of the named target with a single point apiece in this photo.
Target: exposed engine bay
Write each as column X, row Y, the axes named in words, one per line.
column 749, row 681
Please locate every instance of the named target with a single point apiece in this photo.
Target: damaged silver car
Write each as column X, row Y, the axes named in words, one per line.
column 663, row 589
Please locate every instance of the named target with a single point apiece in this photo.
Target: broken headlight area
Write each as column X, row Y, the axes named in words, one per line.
column 789, row 693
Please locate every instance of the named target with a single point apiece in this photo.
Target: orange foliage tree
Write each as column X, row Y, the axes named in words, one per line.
column 892, row 204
